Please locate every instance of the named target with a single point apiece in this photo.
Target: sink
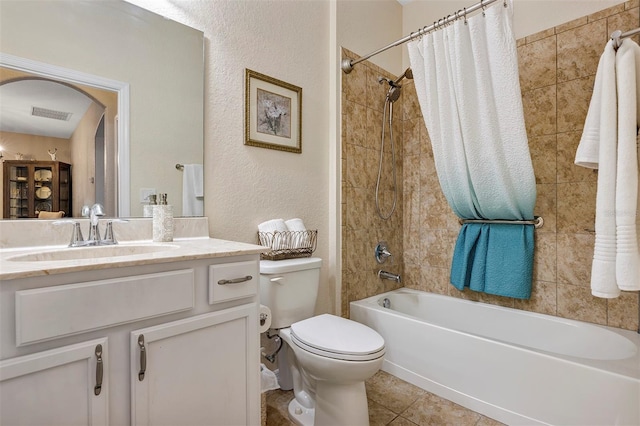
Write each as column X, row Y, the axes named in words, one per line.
column 92, row 252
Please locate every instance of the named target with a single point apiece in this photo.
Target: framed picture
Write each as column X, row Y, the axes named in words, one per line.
column 273, row 113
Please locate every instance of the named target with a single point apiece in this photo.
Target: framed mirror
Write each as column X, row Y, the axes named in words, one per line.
column 153, row 65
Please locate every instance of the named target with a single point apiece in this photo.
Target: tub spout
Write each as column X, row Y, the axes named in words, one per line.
column 389, row 276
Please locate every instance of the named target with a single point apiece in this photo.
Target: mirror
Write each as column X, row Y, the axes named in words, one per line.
column 154, row 65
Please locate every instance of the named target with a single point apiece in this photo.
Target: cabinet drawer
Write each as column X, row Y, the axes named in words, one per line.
column 47, row 313
column 232, row 281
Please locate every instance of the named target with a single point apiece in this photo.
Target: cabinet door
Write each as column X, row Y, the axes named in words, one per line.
column 202, row 370
column 63, row 386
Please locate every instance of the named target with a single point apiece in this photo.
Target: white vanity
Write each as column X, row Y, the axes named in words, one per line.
column 140, row 333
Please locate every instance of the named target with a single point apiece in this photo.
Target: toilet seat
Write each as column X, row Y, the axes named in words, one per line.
column 338, row 338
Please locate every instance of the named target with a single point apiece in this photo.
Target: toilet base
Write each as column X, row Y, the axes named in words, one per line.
column 300, row 415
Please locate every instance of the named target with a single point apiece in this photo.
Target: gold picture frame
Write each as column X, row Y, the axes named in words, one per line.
column 272, row 113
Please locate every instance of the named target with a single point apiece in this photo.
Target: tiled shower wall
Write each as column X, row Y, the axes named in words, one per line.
column 363, row 101
column 557, row 71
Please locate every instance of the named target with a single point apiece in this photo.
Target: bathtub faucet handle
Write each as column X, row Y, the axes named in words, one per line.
column 382, row 252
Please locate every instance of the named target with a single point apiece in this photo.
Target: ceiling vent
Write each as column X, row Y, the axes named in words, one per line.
column 49, row 113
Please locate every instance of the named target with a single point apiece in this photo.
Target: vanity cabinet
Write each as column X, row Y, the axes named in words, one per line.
column 168, row 351
column 189, row 371
column 31, row 187
column 66, row 385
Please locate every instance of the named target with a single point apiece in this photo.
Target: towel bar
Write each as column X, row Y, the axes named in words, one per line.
column 537, row 222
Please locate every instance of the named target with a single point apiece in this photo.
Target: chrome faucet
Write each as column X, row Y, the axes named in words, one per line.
column 389, row 276
column 94, row 213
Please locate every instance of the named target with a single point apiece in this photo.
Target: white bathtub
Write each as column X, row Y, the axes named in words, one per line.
column 517, row 367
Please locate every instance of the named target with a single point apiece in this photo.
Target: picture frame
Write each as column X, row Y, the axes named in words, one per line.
column 273, row 113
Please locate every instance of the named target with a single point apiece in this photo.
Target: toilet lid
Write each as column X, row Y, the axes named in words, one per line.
column 337, row 337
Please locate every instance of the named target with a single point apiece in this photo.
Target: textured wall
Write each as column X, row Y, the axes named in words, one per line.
column 557, row 69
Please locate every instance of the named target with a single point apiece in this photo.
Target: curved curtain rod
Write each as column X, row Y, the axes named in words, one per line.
column 348, row 64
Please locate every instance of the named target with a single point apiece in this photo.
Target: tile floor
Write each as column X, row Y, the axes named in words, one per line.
column 392, row 402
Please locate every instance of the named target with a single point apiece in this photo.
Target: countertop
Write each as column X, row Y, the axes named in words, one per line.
column 180, row 249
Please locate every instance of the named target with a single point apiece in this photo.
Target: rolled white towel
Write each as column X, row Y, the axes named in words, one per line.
column 295, row 224
column 300, row 238
column 271, row 228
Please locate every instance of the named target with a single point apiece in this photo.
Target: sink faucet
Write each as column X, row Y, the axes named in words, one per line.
column 94, row 214
column 389, row 276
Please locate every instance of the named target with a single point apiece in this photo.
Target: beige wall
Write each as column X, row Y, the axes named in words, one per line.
column 245, row 185
column 557, row 68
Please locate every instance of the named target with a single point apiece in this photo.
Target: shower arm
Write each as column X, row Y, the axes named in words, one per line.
column 348, row 64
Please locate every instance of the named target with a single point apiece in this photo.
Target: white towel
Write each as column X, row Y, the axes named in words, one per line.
column 627, row 250
column 295, row 224
column 300, row 239
column 600, row 136
column 192, row 190
column 271, row 229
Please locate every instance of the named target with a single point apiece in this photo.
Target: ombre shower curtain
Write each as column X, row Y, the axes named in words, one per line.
column 467, row 83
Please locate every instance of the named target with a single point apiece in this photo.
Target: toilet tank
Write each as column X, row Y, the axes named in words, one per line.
column 289, row 288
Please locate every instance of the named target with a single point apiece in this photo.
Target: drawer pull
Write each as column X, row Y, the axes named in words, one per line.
column 98, row 387
column 143, row 358
column 236, row 280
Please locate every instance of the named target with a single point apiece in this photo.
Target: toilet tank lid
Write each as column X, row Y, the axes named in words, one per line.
column 289, row 265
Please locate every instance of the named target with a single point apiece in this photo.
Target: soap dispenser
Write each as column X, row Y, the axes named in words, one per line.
column 163, row 220
column 147, row 209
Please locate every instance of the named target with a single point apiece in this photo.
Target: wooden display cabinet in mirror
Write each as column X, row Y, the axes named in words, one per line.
column 31, row 187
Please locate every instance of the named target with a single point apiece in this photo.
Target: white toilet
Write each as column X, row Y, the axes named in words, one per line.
column 326, row 358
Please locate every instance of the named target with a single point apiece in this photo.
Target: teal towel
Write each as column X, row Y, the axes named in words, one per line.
column 495, row 259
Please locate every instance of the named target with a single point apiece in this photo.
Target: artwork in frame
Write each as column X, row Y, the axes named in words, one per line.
column 273, row 113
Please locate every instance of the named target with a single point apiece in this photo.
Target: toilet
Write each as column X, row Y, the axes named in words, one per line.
column 325, row 359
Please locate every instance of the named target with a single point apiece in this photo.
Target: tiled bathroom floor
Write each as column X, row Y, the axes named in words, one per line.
column 392, row 402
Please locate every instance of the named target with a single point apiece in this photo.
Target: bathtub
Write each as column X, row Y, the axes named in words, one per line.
column 517, row 367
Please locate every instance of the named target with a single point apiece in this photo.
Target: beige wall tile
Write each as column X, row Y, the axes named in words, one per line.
column 623, row 311
column 568, row 171
column 574, row 261
column 579, row 50
column 542, row 300
column 411, row 105
column 537, row 63
column 546, row 206
column 543, row 157
column 537, row 36
column 354, row 85
column 540, row 111
column 573, row 102
column 576, row 302
column 544, row 260
column 606, row 12
column 576, row 207
column 624, row 21
column 571, row 24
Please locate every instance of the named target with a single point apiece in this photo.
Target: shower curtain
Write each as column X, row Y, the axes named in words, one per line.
column 466, row 78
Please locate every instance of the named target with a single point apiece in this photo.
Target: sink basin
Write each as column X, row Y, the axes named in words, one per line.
column 92, row 252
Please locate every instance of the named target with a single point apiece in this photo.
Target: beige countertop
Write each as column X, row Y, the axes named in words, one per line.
column 91, row 258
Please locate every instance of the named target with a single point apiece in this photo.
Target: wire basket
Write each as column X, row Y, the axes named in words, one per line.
column 288, row 244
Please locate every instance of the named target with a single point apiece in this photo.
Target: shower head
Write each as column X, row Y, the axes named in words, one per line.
column 407, row 73
column 394, row 93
